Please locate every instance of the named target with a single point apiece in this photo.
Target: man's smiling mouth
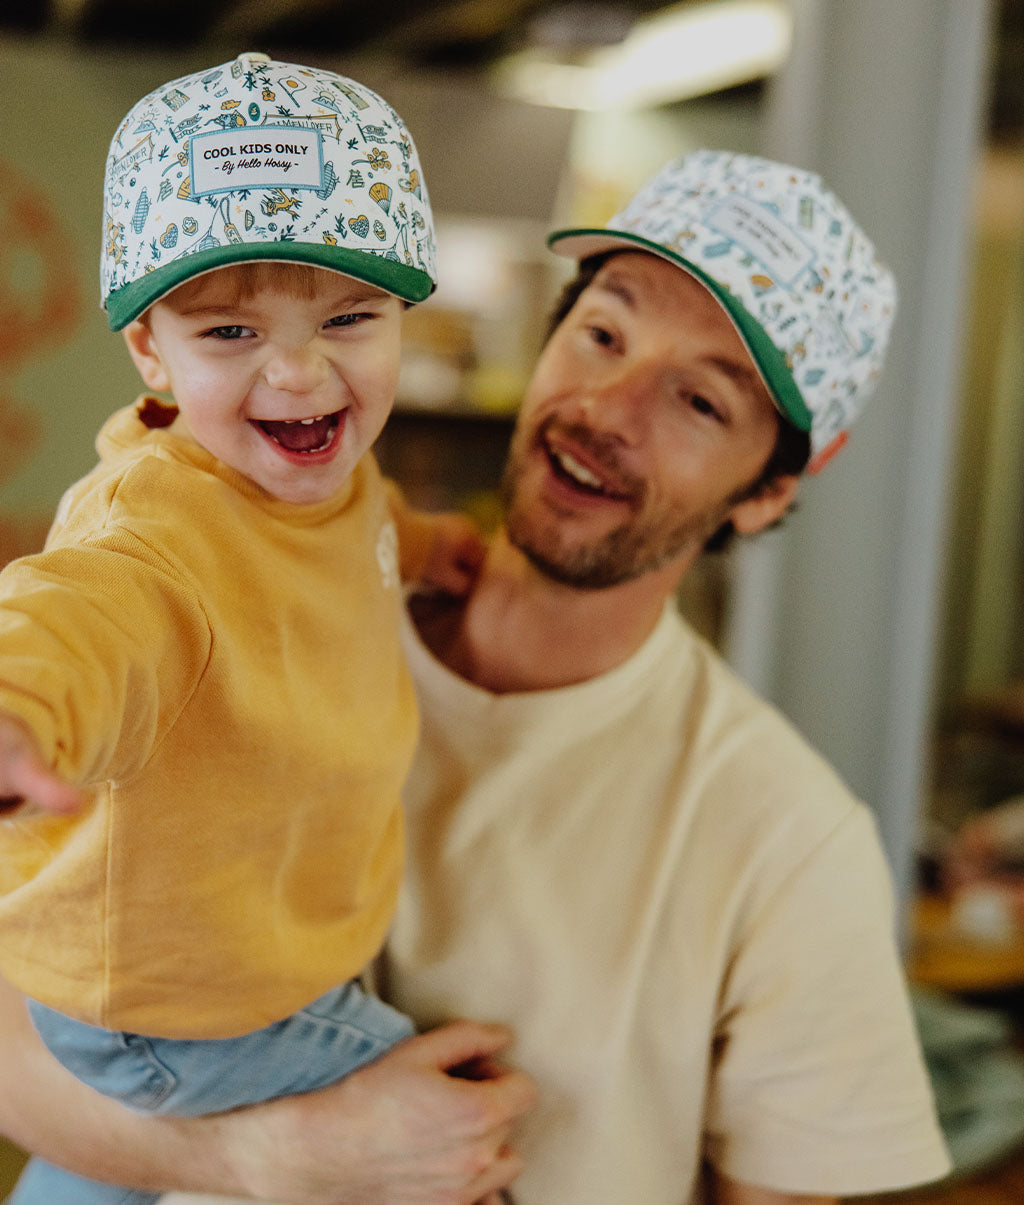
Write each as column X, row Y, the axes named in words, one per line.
column 302, row 434
column 579, row 473
column 569, row 468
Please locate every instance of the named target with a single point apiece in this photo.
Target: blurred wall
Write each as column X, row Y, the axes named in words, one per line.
column 984, row 641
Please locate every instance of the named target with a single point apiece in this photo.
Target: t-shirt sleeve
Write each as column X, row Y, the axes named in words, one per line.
column 818, row 1084
column 100, row 645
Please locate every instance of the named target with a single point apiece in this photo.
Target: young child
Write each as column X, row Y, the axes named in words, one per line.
column 201, row 689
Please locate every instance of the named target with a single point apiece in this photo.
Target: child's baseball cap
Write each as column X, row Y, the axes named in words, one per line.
column 261, row 160
column 799, row 279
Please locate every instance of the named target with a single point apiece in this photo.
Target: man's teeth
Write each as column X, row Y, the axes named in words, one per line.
column 579, row 472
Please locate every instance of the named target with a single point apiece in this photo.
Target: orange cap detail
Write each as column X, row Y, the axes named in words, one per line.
column 817, row 463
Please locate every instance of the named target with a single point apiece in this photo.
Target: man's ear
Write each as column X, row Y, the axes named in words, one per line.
column 770, row 503
column 142, row 348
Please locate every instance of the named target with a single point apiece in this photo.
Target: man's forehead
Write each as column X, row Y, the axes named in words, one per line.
column 632, row 274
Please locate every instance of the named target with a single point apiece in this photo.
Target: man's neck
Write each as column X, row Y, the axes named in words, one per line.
column 521, row 631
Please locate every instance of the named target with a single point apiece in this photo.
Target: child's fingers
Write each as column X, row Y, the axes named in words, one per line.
column 36, row 784
column 24, row 777
column 459, row 563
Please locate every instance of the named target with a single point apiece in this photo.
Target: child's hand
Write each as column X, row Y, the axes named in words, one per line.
column 25, row 777
column 454, row 556
column 438, row 552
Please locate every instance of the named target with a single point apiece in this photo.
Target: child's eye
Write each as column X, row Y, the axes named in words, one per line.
column 228, row 332
column 600, row 336
column 345, row 319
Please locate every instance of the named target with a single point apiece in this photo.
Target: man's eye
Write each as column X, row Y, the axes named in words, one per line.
column 703, row 406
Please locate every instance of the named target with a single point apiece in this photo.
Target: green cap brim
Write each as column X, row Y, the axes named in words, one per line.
column 770, row 362
column 404, row 281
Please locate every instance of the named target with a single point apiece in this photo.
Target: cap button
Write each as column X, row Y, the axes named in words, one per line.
column 254, row 56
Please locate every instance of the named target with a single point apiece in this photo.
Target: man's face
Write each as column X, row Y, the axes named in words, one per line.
column 288, row 389
column 642, row 431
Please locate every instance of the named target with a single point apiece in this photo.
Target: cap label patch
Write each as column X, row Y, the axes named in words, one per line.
column 764, row 235
column 256, row 157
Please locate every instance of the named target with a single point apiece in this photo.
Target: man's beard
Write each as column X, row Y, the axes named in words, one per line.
column 646, row 541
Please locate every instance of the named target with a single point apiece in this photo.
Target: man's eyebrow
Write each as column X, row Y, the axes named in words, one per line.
column 616, row 285
column 742, row 374
column 744, row 377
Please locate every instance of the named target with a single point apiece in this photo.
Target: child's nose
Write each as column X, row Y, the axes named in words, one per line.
column 295, row 369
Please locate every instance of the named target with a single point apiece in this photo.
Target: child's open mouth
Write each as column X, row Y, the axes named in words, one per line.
column 303, row 435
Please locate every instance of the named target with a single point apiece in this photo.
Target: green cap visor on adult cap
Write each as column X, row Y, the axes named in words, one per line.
column 408, row 283
column 769, row 361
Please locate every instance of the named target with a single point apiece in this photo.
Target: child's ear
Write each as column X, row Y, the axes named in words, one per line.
column 765, row 507
column 142, row 348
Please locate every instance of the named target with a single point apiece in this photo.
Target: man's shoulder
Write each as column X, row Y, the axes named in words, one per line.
column 747, row 749
column 719, row 701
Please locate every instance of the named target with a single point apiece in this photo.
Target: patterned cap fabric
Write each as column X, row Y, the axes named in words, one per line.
column 797, row 276
column 261, row 160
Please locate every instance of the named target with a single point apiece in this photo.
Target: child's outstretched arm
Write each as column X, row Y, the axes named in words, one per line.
column 24, row 776
column 439, row 552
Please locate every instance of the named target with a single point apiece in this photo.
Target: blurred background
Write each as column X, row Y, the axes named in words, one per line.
column 885, row 618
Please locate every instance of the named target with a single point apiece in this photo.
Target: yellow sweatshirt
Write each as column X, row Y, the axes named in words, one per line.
column 222, row 670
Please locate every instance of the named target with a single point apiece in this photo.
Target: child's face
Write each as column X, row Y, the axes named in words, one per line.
column 289, row 389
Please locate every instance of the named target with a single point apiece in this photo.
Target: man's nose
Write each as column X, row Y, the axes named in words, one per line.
column 620, row 401
column 298, row 369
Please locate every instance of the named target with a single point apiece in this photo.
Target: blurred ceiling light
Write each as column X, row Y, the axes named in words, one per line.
column 679, row 52
column 576, row 25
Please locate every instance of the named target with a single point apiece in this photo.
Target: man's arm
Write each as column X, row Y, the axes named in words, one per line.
column 401, row 1131
column 723, row 1191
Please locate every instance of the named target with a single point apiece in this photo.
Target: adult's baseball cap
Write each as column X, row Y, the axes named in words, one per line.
column 262, row 160
column 800, row 280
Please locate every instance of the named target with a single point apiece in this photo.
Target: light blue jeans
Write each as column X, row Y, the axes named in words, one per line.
column 334, row 1035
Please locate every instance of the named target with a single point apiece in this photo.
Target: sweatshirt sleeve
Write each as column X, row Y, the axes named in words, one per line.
column 101, row 644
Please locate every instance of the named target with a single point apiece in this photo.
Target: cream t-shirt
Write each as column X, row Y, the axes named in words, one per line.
column 684, row 916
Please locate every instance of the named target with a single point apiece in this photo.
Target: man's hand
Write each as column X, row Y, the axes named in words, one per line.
column 25, row 777
column 402, row 1131
column 427, row 1124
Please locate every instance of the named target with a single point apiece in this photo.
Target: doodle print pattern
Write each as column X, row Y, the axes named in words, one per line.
column 793, row 256
column 257, row 151
column 799, row 278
